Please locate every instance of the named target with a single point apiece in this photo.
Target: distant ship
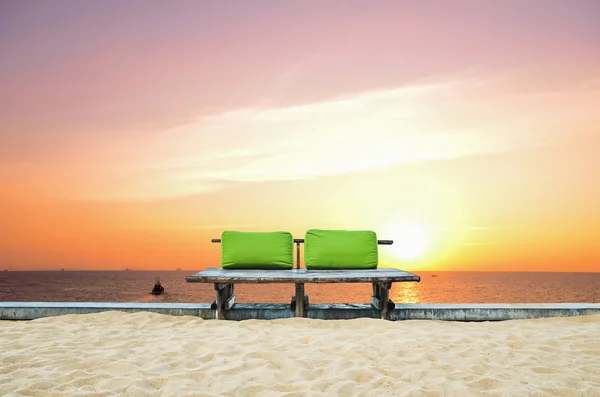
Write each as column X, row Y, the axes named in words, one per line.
column 158, row 288
column 434, row 275
column 127, row 269
column 178, row 269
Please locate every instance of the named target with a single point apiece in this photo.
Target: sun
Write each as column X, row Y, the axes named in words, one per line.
column 410, row 240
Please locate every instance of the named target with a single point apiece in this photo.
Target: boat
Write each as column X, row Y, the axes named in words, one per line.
column 158, row 288
column 434, row 275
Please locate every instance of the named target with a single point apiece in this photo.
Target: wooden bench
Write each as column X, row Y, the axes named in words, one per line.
column 225, row 279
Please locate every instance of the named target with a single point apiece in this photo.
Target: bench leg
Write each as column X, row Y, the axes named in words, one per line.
column 375, row 297
column 225, row 299
column 300, row 310
column 385, row 298
column 381, row 299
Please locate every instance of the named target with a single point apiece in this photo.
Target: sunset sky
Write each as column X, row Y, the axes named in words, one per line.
column 131, row 132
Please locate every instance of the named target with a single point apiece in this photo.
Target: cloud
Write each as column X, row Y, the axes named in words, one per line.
column 194, row 226
column 433, row 121
column 465, row 228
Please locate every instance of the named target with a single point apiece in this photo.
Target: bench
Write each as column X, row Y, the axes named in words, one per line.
column 224, row 281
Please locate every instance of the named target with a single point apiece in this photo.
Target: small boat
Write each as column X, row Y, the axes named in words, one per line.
column 434, row 275
column 158, row 288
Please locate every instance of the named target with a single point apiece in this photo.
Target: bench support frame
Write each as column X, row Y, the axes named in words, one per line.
column 224, row 281
column 299, row 301
column 381, row 299
column 225, row 299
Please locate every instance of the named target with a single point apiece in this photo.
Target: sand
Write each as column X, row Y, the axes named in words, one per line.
column 147, row 354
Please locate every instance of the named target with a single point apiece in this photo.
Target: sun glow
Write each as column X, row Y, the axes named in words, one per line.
column 410, row 240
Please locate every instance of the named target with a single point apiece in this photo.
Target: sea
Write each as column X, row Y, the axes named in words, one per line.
column 434, row 287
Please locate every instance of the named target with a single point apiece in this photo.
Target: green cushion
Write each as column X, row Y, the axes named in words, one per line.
column 257, row 250
column 340, row 249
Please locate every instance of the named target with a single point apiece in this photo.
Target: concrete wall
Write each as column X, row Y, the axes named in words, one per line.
column 492, row 312
column 244, row 311
column 33, row 310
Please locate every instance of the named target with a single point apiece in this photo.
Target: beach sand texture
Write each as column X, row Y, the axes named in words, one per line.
column 147, row 354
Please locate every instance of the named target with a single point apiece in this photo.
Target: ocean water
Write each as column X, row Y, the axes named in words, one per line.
column 444, row 287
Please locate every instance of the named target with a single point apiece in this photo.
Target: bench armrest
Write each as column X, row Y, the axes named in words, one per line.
column 301, row 241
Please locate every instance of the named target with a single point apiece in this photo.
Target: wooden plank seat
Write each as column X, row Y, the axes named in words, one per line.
column 225, row 279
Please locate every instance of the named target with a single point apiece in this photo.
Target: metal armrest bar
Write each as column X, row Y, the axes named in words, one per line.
column 301, row 241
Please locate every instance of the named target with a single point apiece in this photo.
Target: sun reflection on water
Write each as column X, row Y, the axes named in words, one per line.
column 406, row 293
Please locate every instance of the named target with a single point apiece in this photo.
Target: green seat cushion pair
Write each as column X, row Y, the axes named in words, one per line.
column 324, row 249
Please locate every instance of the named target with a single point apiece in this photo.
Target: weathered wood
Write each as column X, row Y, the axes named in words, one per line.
column 221, row 298
column 376, row 298
column 259, row 276
column 225, row 299
column 299, row 310
column 375, row 302
column 297, row 255
column 224, row 280
column 384, row 290
column 293, row 303
column 381, row 298
column 230, row 302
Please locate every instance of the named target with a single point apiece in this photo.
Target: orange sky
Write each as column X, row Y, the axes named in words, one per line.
column 130, row 134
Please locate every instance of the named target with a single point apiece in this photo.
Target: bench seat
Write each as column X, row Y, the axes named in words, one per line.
column 259, row 276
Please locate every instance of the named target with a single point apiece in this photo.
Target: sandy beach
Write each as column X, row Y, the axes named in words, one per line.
column 147, row 354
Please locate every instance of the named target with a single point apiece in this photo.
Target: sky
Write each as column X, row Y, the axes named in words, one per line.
column 133, row 132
